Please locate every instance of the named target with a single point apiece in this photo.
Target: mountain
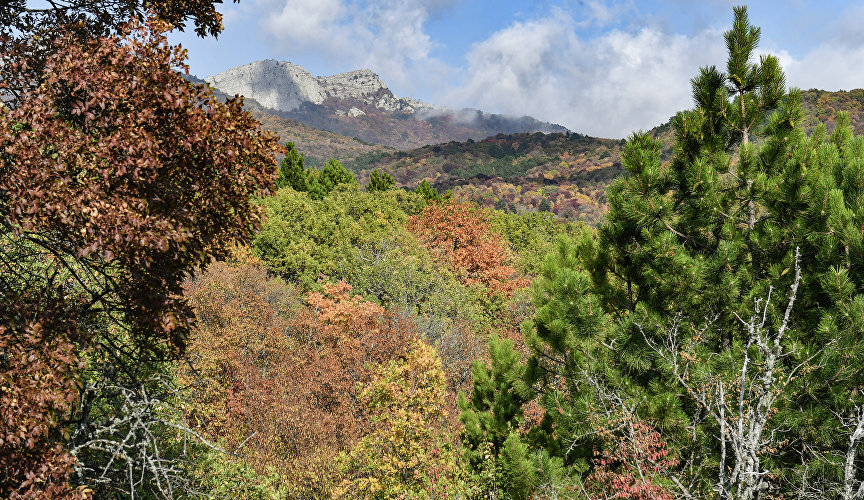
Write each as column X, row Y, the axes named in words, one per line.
column 320, row 145
column 358, row 104
column 821, row 106
column 564, row 173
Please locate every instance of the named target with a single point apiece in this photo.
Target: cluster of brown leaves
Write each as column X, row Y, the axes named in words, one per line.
column 38, row 383
column 98, row 17
column 281, row 375
column 117, row 161
column 123, row 177
column 461, row 232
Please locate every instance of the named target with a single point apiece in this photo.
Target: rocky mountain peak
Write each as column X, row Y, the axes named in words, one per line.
column 275, row 84
column 356, row 84
column 284, row 86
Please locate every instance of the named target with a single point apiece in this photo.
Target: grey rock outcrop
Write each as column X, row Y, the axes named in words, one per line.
column 284, row 86
column 360, row 84
column 274, row 84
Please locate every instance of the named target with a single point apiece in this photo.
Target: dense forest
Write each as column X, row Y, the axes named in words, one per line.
column 192, row 309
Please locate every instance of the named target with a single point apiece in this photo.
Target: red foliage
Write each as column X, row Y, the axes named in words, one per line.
column 117, row 161
column 633, row 459
column 462, row 233
column 117, row 178
column 38, row 383
column 286, row 374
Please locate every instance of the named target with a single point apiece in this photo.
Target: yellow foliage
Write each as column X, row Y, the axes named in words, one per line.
column 408, row 454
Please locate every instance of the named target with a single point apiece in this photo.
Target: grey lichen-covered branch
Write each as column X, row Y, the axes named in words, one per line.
column 742, row 407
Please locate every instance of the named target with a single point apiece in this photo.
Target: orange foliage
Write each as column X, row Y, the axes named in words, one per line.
column 462, row 233
column 281, row 374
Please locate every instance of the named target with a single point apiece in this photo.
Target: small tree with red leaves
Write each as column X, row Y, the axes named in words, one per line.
column 462, row 234
column 632, row 463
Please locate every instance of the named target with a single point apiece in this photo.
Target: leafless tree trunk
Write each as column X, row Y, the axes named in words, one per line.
column 741, row 407
column 853, row 488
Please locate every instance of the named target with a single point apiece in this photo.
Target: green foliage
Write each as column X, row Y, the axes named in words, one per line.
column 361, row 238
column 303, row 237
column 318, row 183
column 380, row 182
column 668, row 283
column 530, row 235
column 223, row 476
column 506, row 167
column 430, row 194
column 334, row 174
column 492, row 418
column 321, row 182
column 544, row 205
column 407, row 454
column 292, row 173
column 368, row 160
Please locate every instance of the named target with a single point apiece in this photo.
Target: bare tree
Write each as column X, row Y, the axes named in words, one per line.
column 742, row 405
column 141, row 436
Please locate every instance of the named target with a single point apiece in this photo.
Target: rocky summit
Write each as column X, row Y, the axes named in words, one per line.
column 284, row 86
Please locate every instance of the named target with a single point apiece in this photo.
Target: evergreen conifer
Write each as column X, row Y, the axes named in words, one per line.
column 379, row 181
column 292, row 173
column 722, row 300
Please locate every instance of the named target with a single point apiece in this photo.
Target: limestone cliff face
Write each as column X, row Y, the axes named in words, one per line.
column 285, row 87
column 274, row 84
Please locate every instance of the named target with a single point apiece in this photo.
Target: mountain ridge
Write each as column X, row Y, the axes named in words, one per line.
column 358, row 104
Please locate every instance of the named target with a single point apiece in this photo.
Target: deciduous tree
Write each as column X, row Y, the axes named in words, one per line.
column 408, row 453
column 461, row 233
column 117, row 178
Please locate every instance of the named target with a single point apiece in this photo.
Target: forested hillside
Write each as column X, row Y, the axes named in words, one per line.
column 319, row 145
column 193, row 307
column 563, row 173
column 406, row 131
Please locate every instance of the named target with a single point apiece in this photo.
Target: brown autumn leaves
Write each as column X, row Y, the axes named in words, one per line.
column 117, row 179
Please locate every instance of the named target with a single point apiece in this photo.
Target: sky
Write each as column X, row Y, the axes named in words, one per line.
column 602, row 68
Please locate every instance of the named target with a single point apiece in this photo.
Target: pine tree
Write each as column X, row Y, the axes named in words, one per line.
column 380, row 181
column 725, row 289
column 334, row 174
column 430, row 194
column 320, row 182
column 492, row 419
column 292, row 173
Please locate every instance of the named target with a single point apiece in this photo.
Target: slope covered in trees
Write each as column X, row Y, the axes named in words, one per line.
column 188, row 318
column 563, row 173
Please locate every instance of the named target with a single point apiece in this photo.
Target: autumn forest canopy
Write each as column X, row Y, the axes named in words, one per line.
column 192, row 308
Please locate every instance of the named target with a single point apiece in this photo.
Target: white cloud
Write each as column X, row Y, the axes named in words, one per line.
column 834, row 65
column 567, row 70
column 386, row 36
column 607, row 86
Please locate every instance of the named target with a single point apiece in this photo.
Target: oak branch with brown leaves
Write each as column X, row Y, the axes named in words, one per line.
column 117, row 179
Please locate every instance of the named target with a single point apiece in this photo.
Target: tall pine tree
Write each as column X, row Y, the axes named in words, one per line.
column 292, row 173
column 722, row 300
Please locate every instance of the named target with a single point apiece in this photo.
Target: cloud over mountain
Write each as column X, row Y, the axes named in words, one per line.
column 604, row 68
column 623, row 77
